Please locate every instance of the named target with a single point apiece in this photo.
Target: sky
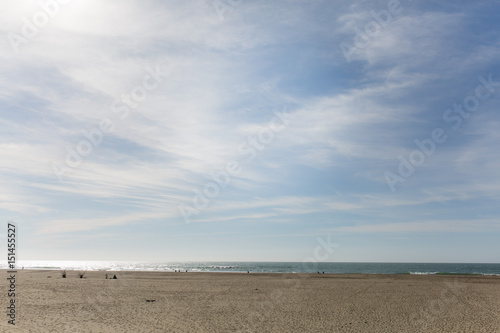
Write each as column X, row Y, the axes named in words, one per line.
column 234, row 130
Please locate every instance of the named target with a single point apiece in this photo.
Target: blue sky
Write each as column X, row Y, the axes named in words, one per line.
column 251, row 130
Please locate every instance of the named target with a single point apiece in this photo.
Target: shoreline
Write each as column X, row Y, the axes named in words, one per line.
column 271, row 267
column 264, row 273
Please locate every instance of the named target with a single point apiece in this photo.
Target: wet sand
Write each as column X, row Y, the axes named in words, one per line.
column 234, row 302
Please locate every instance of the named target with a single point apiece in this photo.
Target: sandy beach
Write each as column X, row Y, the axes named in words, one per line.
column 234, row 302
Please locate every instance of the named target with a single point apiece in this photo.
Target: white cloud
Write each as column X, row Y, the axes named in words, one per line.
column 445, row 226
column 223, row 80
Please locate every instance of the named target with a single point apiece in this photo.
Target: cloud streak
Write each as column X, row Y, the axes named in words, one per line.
column 222, row 82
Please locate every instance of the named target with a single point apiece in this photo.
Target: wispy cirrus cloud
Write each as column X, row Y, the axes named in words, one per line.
column 222, row 81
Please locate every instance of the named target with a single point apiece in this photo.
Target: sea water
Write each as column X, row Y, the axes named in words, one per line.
column 269, row 267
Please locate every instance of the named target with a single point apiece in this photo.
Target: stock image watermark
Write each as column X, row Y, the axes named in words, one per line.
column 362, row 39
column 322, row 252
column 224, row 7
column 31, row 27
column 428, row 146
column 11, row 271
column 121, row 109
column 448, row 296
column 247, row 151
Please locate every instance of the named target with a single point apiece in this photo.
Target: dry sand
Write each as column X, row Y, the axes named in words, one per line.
column 233, row 302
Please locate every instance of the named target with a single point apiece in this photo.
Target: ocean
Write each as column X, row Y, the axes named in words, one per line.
column 268, row 267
